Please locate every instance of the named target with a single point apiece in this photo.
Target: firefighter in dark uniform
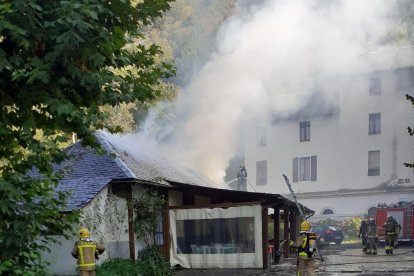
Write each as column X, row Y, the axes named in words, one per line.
column 392, row 229
column 363, row 234
column 242, row 178
column 86, row 251
column 372, row 237
column 306, row 246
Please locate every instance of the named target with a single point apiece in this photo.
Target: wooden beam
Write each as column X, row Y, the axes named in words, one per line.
column 220, row 205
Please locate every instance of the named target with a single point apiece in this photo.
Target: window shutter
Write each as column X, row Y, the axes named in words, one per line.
column 295, row 169
column 314, row 168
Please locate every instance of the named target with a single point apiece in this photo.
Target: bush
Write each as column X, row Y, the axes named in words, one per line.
column 117, row 267
column 150, row 263
column 350, row 226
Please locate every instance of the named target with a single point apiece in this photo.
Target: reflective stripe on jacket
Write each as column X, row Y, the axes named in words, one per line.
column 302, row 245
column 85, row 251
column 86, row 258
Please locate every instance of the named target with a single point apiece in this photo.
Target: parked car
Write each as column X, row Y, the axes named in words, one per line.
column 328, row 233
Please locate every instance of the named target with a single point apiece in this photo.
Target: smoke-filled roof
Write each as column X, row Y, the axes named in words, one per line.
column 157, row 169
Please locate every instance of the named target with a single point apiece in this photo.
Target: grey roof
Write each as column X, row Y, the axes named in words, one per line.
column 86, row 173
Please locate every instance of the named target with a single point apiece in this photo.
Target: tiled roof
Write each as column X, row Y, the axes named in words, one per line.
column 161, row 171
column 86, row 173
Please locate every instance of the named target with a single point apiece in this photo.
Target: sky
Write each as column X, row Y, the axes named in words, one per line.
column 265, row 63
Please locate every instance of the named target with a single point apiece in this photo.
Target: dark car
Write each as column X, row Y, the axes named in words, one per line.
column 328, row 233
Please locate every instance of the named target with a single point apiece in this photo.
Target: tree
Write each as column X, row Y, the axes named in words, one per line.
column 402, row 30
column 60, row 62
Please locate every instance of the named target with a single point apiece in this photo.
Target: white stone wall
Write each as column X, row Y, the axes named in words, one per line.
column 107, row 219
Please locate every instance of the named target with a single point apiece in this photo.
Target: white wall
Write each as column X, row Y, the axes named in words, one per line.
column 341, row 143
column 62, row 262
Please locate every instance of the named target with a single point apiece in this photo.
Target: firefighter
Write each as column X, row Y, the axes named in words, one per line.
column 363, row 234
column 306, row 245
column 241, row 178
column 86, row 251
column 372, row 237
column 392, row 229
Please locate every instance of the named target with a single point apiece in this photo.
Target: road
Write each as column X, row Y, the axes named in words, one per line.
column 339, row 260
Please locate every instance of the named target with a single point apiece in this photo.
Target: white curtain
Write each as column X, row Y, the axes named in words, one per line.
column 217, row 238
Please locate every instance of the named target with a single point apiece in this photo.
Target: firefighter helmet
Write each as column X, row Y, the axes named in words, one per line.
column 84, row 233
column 305, row 226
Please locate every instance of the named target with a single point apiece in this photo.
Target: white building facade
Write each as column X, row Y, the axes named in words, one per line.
column 345, row 156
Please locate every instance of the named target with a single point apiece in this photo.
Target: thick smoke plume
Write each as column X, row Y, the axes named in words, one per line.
column 266, row 61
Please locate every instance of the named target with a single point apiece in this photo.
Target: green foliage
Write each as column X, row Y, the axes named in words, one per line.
column 188, row 31
column 60, row 62
column 148, row 207
column 350, row 226
column 150, row 262
column 117, row 267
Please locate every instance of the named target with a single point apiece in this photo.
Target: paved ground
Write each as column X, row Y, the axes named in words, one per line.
column 339, row 260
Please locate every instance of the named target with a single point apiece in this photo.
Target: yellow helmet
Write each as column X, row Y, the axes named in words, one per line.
column 83, row 233
column 305, row 226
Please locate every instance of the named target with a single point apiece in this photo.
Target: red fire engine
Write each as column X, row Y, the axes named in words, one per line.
column 402, row 212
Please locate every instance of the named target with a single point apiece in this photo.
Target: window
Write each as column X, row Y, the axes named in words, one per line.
column 261, row 136
column 261, row 172
column 305, row 168
column 374, row 86
column 304, row 131
column 327, row 212
column 373, row 162
column 374, row 126
column 159, row 233
column 215, row 236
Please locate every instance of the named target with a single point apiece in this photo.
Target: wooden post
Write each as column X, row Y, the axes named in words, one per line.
column 286, row 231
column 276, row 233
column 293, row 225
column 265, row 241
column 131, row 230
column 166, row 227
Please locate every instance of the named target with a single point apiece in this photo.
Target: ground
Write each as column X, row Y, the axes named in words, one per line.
column 339, row 260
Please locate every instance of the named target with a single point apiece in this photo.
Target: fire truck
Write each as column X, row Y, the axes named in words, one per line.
column 402, row 212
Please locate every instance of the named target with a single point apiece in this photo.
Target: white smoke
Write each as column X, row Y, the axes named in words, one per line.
column 267, row 59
